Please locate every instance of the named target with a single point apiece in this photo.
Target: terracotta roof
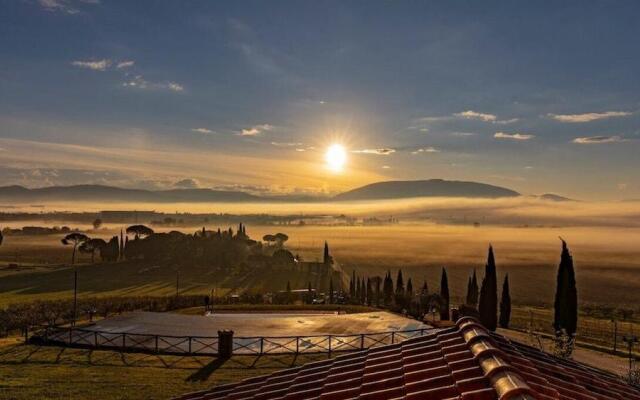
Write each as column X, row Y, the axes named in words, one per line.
column 465, row 362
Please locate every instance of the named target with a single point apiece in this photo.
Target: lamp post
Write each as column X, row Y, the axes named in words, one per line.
column 75, row 297
column 177, row 282
column 630, row 341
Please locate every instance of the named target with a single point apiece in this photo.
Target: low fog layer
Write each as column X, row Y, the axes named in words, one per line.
column 518, row 211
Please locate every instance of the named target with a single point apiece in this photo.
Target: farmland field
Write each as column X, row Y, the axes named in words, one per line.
column 607, row 262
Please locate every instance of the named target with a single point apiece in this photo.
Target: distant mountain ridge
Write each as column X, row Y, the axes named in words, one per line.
column 111, row 193
column 374, row 191
column 554, row 197
column 425, row 188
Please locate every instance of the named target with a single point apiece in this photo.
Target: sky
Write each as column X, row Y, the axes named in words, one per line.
column 536, row 96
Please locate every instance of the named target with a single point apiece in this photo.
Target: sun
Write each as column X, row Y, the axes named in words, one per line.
column 335, row 157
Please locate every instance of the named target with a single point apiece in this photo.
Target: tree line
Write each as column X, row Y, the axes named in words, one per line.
column 481, row 301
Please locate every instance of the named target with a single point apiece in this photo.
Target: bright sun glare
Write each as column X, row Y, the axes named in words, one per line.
column 335, row 157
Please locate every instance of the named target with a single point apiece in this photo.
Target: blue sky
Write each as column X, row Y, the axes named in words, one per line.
column 536, row 96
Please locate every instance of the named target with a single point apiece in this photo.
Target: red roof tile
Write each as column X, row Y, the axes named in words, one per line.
column 465, row 362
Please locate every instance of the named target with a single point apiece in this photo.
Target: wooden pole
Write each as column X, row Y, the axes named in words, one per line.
column 75, row 297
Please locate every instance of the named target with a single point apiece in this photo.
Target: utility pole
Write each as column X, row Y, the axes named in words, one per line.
column 177, row 281
column 630, row 340
column 75, row 296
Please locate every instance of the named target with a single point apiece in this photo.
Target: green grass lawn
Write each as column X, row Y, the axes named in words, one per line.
column 34, row 372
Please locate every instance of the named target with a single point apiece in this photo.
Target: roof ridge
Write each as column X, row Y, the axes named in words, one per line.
column 507, row 382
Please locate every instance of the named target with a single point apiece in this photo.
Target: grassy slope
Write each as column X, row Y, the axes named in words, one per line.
column 30, row 372
column 130, row 279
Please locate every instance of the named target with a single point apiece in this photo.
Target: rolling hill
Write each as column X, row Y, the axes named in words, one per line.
column 375, row 191
column 110, row 193
column 425, row 188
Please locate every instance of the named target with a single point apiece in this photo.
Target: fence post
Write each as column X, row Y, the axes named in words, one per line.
column 225, row 344
column 261, row 344
column 330, row 345
column 393, row 337
column 189, row 344
column 362, row 341
column 124, row 340
column 95, row 339
column 297, row 344
column 156, row 343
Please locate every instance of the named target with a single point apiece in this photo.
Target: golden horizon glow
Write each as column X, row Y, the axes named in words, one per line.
column 336, row 157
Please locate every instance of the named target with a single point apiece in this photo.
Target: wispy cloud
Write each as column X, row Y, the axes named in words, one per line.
column 202, row 130
column 470, row 115
column 425, row 150
column 96, row 65
column 513, row 136
column 64, row 6
column 139, row 82
column 285, row 144
column 255, row 130
column 598, row 139
column 588, row 117
column 506, row 121
column 125, row 64
column 132, row 81
column 380, row 152
column 176, row 87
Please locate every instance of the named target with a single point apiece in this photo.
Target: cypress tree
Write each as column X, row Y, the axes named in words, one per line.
column 488, row 305
column 505, row 304
column 409, row 294
column 399, row 283
column 326, row 257
column 472, row 291
column 399, row 295
column 444, row 294
column 369, row 293
column 566, row 299
column 388, row 289
column 378, row 294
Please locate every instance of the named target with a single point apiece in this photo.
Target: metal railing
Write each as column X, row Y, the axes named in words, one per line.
column 208, row 345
